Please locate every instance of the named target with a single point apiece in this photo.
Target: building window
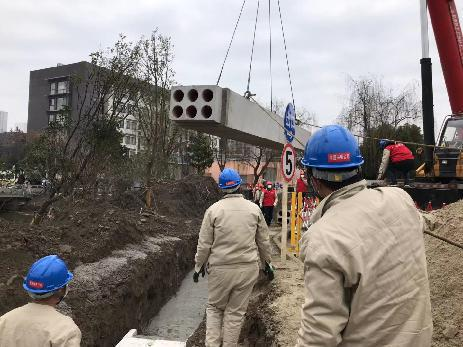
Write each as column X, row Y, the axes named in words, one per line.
column 52, row 104
column 51, row 118
column 130, row 140
column 61, row 103
column 131, row 124
column 62, row 87
column 53, row 86
column 121, row 124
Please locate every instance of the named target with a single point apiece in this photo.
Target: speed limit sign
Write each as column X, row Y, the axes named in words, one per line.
column 288, row 162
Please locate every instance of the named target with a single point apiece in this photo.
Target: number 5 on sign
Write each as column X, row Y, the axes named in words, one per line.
column 288, row 162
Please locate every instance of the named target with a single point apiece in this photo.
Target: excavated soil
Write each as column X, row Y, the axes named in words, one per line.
column 446, row 275
column 127, row 260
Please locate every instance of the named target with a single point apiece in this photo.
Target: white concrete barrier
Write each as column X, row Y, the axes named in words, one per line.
column 130, row 340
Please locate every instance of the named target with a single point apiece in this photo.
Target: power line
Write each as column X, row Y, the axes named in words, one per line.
column 231, row 41
column 356, row 135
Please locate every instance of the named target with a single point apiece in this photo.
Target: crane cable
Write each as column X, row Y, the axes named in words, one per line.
column 270, row 55
column 248, row 94
column 231, row 41
column 286, row 53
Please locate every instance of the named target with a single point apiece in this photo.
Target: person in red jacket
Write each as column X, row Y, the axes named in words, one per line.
column 397, row 160
column 302, row 185
column 268, row 200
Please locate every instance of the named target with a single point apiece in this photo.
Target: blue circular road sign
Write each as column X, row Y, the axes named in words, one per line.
column 290, row 123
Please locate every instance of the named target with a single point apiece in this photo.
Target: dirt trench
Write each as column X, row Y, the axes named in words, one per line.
column 258, row 326
column 127, row 261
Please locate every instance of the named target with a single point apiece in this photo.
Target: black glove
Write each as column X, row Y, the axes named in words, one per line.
column 196, row 274
column 269, row 271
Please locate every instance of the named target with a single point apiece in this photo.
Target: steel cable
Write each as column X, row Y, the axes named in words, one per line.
column 231, row 41
column 248, row 92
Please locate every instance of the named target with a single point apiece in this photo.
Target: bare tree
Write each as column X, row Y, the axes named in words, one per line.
column 80, row 140
column 259, row 159
column 161, row 139
column 370, row 104
column 221, row 152
column 374, row 111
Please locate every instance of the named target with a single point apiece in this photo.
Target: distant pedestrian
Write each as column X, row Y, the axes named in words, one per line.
column 268, row 200
column 257, row 192
column 397, row 160
column 232, row 239
column 38, row 323
column 302, row 185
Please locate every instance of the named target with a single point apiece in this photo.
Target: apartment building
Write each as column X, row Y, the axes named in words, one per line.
column 52, row 89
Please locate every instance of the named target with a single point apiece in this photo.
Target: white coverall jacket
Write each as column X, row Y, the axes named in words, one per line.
column 233, row 232
column 37, row 325
column 365, row 275
column 233, row 235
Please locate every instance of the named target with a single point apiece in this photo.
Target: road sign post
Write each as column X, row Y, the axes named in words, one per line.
column 288, row 168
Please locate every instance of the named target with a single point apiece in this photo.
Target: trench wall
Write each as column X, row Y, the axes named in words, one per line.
column 128, row 288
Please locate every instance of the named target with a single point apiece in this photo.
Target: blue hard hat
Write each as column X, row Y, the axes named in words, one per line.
column 332, row 147
column 229, row 178
column 46, row 275
column 383, row 143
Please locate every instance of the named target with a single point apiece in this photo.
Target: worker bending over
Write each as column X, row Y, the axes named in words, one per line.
column 38, row 323
column 365, row 276
column 268, row 200
column 233, row 235
column 397, row 160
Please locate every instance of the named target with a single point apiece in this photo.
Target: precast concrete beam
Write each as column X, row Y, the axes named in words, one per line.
column 221, row 112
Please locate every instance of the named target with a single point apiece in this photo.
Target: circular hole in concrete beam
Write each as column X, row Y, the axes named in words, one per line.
column 208, row 95
column 193, row 95
column 206, row 111
column 178, row 95
column 177, row 111
column 191, row 111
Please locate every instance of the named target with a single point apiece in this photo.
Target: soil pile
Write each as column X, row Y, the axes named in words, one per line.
column 122, row 253
column 446, row 275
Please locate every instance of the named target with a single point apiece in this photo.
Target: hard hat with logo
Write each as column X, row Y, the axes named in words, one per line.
column 46, row 275
column 332, row 147
column 229, row 178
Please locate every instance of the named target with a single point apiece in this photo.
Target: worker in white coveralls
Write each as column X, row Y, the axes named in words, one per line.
column 38, row 323
column 233, row 235
column 365, row 277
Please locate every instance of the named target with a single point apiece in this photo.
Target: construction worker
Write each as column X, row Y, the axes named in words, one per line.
column 232, row 238
column 397, row 160
column 365, row 274
column 268, row 200
column 38, row 323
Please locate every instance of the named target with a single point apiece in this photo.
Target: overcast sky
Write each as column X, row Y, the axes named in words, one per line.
column 327, row 42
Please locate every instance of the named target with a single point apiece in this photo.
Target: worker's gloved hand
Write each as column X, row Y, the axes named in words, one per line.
column 269, row 271
column 196, row 274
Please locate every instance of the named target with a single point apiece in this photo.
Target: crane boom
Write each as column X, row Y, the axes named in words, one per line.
column 449, row 39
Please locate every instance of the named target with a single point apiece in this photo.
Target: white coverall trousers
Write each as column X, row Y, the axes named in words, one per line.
column 230, row 288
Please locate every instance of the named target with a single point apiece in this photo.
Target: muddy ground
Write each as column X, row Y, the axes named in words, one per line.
column 127, row 260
